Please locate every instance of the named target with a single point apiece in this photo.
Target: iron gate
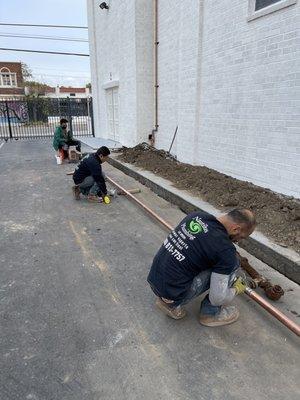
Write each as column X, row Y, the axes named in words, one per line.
column 29, row 118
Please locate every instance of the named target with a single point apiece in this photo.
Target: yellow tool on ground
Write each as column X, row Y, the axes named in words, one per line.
column 106, row 199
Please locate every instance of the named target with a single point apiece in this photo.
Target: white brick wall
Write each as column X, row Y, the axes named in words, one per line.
column 249, row 120
column 121, row 50
column 178, row 69
column 231, row 85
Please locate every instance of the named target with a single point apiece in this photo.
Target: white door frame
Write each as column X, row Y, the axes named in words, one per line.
column 112, row 112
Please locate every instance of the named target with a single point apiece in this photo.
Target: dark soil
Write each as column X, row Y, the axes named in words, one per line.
column 278, row 216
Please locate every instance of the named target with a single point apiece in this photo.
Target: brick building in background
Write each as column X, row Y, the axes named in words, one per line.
column 11, row 80
column 63, row 92
column 58, row 92
column 227, row 75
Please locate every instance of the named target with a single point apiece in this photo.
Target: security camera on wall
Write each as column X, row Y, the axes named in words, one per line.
column 104, row 6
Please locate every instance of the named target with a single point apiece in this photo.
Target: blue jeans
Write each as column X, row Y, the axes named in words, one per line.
column 89, row 186
column 201, row 284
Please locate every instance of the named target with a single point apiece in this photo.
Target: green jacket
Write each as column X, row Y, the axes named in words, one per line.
column 61, row 137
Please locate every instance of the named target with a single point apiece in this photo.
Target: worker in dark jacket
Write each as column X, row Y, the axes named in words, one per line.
column 63, row 138
column 89, row 179
column 199, row 255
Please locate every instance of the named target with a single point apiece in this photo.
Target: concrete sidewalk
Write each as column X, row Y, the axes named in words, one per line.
column 76, row 314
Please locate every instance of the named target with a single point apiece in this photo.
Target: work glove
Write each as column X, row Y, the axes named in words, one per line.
column 239, row 285
column 106, row 199
column 112, row 192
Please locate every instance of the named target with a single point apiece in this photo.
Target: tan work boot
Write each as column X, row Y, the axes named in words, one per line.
column 173, row 312
column 226, row 316
column 76, row 192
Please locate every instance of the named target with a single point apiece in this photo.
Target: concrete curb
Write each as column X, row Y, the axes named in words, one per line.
column 286, row 261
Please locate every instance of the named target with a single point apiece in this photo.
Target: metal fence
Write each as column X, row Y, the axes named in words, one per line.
column 29, row 118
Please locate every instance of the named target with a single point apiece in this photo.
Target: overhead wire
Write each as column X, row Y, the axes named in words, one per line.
column 46, row 26
column 38, row 67
column 46, row 52
column 58, row 75
column 41, row 37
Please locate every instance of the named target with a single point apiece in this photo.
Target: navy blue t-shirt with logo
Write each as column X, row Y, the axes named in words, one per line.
column 198, row 243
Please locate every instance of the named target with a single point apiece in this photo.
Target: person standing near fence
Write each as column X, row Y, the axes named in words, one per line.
column 63, row 139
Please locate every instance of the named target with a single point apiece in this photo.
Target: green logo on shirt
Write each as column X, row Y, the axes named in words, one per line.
column 194, row 227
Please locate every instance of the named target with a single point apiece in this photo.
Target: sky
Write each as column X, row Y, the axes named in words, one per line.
column 47, row 68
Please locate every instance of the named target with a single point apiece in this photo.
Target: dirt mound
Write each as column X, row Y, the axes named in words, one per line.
column 278, row 216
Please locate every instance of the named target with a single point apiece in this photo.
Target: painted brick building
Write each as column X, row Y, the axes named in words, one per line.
column 58, row 91
column 11, row 80
column 63, row 92
column 228, row 76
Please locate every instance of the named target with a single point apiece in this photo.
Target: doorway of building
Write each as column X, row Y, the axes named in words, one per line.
column 112, row 101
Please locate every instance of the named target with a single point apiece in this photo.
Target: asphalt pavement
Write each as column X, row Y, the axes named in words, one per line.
column 77, row 317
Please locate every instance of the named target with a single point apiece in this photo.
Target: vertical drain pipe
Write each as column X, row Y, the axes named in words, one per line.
column 156, row 86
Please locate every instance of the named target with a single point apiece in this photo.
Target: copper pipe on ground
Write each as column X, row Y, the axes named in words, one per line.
column 274, row 311
column 249, row 292
column 156, row 216
column 273, row 292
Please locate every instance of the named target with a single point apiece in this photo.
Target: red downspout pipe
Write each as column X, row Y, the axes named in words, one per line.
column 249, row 292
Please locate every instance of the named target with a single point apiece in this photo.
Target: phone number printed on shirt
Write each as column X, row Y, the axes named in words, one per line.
column 174, row 252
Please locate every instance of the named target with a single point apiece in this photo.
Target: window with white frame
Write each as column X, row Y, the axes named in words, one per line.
column 13, row 78
column 7, row 78
column 259, row 8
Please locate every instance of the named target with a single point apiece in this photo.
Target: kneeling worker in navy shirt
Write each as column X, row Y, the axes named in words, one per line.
column 199, row 255
column 89, row 178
